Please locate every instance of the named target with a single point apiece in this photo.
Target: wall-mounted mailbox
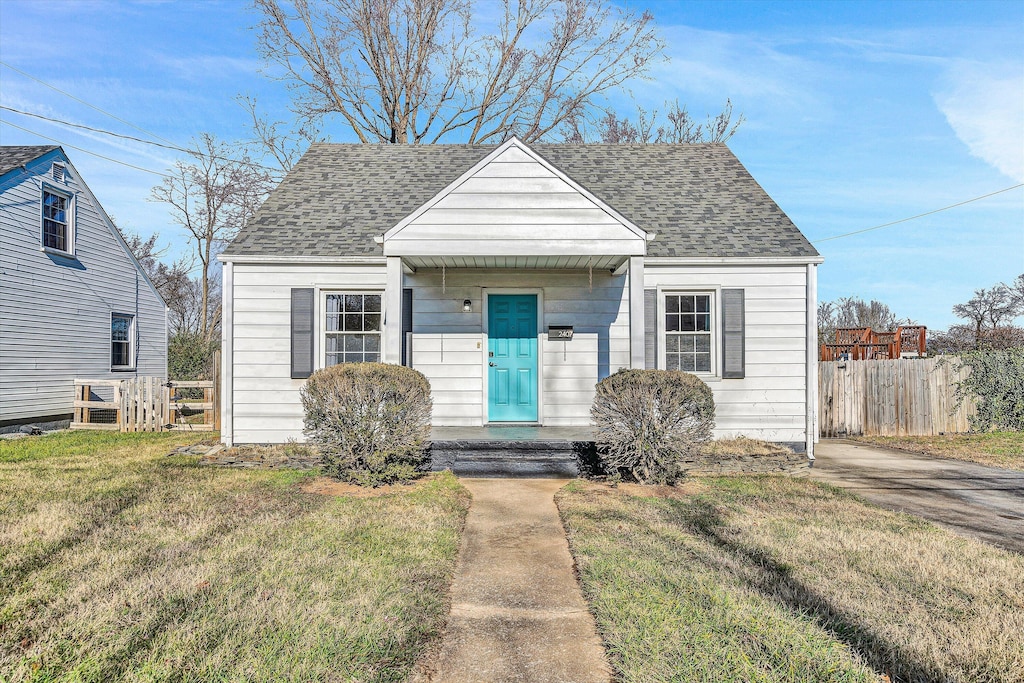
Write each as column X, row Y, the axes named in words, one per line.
column 559, row 332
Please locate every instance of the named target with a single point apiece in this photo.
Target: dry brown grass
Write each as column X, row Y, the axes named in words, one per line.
column 118, row 563
column 741, row 445
column 781, row 579
column 997, row 449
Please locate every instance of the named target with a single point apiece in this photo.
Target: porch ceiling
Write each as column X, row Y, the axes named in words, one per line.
column 526, row 262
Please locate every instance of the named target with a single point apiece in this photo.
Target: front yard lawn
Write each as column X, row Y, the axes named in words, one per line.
column 998, row 449
column 119, row 563
column 779, row 579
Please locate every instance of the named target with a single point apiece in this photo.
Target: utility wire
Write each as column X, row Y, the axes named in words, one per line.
column 80, row 149
column 90, row 128
column 91, row 106
column 920, row 215
column 172, row 147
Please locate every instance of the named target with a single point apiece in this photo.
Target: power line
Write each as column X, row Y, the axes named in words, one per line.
column 920, row 215
column 172, row 147
column 91, row 106
column 90, row 128
column 80, row 149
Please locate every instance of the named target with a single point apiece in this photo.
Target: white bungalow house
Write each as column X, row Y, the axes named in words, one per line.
column 515, row 277
column 74, row 302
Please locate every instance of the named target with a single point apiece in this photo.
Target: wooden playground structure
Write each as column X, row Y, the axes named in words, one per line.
column 863, row 343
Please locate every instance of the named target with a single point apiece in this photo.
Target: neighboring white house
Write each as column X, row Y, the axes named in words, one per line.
column 515, row 277
column 74, row 302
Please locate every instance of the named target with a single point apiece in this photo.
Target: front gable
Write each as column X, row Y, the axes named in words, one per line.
column 513, row 202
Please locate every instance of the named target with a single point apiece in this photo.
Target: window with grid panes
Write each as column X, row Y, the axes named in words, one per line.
column 56, row 224
column 121, row 341
column 353, row 328
column 688, row 332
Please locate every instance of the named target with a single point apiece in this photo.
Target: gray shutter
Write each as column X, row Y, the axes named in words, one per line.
column 407, row 326
column 651, row 329
column 733, row 324
column 303, row 301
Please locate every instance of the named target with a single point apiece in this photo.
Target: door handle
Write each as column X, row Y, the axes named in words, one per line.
column 493, row 365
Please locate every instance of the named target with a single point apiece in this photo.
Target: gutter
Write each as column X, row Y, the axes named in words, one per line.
column 275, row 258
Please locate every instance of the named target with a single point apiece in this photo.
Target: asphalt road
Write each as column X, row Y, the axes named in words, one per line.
column 975, row 500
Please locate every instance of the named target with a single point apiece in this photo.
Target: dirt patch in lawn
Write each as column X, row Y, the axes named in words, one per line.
column 325, row 486
column 680, row 490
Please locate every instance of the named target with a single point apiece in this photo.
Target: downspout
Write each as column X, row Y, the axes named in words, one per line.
column 812, row 360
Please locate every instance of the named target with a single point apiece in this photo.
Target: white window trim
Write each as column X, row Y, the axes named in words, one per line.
column 715, row 306
column 70, row 211
column 131, row 343
column 321, row 324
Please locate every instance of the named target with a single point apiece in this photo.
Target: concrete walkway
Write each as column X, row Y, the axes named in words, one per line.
column 517, row 611
column 974, row 500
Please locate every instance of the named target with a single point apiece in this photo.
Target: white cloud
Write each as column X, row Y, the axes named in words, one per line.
column 985, row 107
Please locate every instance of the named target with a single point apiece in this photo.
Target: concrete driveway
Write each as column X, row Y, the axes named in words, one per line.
column 975, row 500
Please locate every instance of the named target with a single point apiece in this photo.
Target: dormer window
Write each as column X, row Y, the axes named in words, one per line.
column 58, row 231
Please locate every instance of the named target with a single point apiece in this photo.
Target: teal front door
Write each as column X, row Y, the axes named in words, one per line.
column 512, row 358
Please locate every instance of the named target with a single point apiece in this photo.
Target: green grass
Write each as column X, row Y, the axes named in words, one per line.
column 998, row 449
column 118, row 563
column 777, row 579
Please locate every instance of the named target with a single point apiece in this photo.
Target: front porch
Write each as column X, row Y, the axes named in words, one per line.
column 512, row 433
column 513, row 451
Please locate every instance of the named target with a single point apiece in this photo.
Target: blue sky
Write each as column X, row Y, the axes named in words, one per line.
column 857, row 114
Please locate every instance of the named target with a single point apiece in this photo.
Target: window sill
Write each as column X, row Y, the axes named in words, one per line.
column 58, row 252
column 120, row 369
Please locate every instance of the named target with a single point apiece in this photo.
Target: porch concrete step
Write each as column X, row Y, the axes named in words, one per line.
column 499, row 458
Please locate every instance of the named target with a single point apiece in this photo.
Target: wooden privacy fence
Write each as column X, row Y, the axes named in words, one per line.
column 891, row 398
column 146, row 404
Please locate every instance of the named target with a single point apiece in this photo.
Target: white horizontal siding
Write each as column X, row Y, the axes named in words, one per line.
column 449, row 345
column 266, row 405
column 770, row 402
column 55, row 312
column 514, row 205
column 569, row 370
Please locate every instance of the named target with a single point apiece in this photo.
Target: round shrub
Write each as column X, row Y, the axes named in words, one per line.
column 649, row 421
column 369, row 421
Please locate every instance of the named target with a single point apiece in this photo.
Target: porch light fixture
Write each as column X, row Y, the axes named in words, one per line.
column 467, row 306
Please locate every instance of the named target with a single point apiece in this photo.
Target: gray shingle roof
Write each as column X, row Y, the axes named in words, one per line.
column 699, row 199
column 13, row 156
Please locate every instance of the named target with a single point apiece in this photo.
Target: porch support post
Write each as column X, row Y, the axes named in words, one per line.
column 636, row 312
column 393, row 312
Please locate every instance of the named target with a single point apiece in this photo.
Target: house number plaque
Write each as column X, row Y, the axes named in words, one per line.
column 559, row 332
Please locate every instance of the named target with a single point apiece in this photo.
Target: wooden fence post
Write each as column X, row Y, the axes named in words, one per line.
column 216, row 389
column 86, row 396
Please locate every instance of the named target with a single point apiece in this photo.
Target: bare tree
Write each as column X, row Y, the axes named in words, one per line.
column 275, row 138
column 988, row 308
column 180, row 290
column 412, row 71
column 1017, row 293
column 212, row 196
column 677, row 128
column 852, row 311
column 962, row 338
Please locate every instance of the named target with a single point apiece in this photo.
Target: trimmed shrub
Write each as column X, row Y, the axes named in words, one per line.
column 369, row 421
column 649, row 421
column 996, row 380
